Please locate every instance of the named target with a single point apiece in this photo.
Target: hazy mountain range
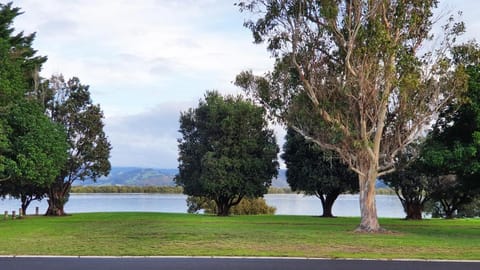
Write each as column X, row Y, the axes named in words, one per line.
column 135, row 176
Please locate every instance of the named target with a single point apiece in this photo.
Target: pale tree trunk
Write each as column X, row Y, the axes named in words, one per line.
column 368, row 209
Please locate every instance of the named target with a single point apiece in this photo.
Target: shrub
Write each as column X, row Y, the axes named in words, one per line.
column 248, row 206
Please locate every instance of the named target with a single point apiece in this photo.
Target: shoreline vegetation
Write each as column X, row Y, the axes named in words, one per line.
column 177, row 190
column 161, row 234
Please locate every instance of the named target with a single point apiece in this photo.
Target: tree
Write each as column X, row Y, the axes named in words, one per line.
column 349, row 76
column 19, row 66
column 39, row 150
column 412, row 186
column 88, row 147
column 316, row 172
column 452, row 150
column 226, row 151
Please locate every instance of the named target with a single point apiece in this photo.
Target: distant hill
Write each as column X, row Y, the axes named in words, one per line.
column 135, row 176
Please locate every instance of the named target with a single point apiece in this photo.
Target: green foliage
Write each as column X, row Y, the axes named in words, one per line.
column 253, row 206
column 276, row 190
column 465, row 210
column 18, row 68
column 226, row 151
column 197, row 203
column 316, row 172
column 351, row 76
column 248, row 206
column 38, row 148
column 70, row 105
column 126, row 189
column 19, row 64
column 451, row 152
column 470, row 210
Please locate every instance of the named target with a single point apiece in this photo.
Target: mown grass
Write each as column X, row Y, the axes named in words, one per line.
column 154, row 234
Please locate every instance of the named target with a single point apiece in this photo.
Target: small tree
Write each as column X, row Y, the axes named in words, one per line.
column 350, row 77
column 316, row 172
column 89, row 150
column 226, row 151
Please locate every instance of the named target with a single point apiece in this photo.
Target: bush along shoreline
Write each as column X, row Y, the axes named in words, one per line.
column 127, row 189
column 177, row 190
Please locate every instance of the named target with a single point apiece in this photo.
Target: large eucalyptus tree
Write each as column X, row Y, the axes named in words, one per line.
column 354, row 77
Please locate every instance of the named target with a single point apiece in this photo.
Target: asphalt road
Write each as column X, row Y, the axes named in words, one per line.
column 43, row 263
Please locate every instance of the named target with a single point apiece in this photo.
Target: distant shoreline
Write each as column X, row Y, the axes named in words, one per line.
column 176, row 190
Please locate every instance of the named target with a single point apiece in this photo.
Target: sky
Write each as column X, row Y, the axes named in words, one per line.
column 146, row 61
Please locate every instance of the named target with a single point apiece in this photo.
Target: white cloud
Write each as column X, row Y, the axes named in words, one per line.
column 142, row 44
column 136, row 55
column 147, row 139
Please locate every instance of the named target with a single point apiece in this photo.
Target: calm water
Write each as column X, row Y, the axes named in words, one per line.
column 286, row 204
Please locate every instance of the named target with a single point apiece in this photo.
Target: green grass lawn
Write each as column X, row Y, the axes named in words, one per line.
column 155, row 234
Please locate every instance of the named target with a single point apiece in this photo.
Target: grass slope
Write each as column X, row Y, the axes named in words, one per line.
column 139, row 234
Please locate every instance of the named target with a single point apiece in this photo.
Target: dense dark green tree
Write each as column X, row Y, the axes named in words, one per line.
column 226, row 151
column 88, row 148
column 411, row 185
column 19, row 66
column 316, row 172
column 364, row 88
column 39, row 150
column 451, row 152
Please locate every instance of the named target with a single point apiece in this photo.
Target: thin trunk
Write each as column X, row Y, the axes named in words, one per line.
column 368, row 210
column 25, row 203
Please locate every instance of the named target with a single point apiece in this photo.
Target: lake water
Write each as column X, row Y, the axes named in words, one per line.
column 286, row 204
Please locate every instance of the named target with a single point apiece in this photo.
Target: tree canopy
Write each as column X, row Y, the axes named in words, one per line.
column 451, row 152
column 19, row 66
column 38, row 148
column 70, row 106
column 350, row 77
column 226, row 151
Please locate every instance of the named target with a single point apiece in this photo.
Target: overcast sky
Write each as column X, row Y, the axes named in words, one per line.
column 148, row 60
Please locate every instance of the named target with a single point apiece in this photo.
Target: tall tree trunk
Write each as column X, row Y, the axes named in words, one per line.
column 368, row 210
column 58, row 195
